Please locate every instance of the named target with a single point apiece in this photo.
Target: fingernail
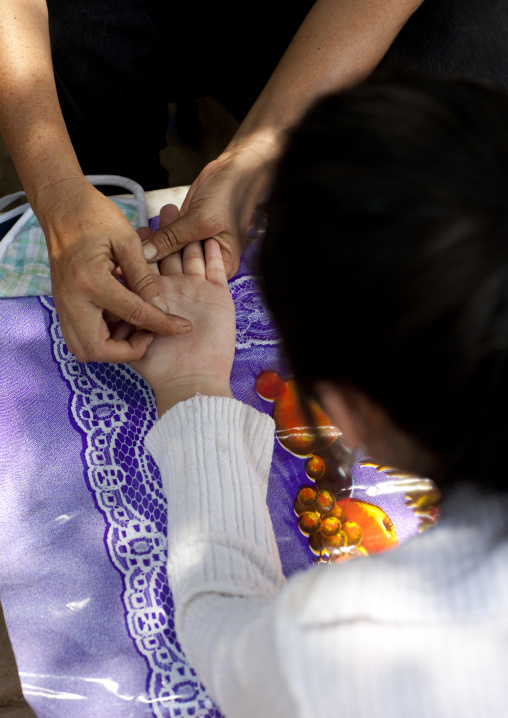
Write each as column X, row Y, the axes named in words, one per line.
column 184, row 329
column 150, row 251
column 160, row 304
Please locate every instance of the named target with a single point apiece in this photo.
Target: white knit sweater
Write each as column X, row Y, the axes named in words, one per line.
column 419, row 632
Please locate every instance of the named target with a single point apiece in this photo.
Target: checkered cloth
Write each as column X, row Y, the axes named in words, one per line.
column 24, row 266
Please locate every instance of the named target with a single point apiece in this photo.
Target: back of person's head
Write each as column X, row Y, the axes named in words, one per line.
column 385, row 261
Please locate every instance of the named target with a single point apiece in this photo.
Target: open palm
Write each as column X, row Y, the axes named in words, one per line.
column 194, row 285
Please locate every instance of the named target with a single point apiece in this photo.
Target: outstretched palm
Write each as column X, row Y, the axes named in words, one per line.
column 194, row 286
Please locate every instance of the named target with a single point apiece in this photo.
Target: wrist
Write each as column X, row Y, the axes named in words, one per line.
column 263, row 132
column 167, row 397
column 251, row 161
column 256, row 145
column 44, row 159
column 56, row 199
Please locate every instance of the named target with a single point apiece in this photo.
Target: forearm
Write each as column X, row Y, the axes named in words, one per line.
column 223, row 564
column 31, row 121
column 339, row 43
column 214, row 454
column 182, row 390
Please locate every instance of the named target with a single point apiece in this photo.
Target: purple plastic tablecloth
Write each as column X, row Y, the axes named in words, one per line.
column 83, row 518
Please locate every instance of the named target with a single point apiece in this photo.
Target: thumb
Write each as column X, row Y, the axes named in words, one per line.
column 137, row 273
column 173, row 237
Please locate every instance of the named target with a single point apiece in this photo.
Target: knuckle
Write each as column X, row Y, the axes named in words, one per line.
column 138, row 353
column 166, row 240
column 82, row 355
column 83, row 280
column 136, row 315
column 75, row 348
column 193, row 252
column 142, row 284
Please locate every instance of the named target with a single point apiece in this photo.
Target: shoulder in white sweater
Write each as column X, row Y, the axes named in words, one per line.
column 420, row 632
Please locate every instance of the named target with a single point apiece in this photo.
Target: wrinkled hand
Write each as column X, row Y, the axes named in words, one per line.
column 178, row 367
column 88, row 238
column 219, row 204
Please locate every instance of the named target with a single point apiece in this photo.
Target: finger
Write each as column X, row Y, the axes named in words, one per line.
column 231, row 259
column 194, row 260
column 173, row 237
column 137, row 275
column 110, row 320
column 128, row 306
column 188, row 197
column 154, row 268
column 122, row 330
column 215, row 270
column 124, row 351
column 171, row 265
column 138, row 342
column 144, row 233
column 168, row 214
column 103, row 347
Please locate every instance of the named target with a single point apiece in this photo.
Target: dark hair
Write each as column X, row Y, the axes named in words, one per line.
column 385, row 262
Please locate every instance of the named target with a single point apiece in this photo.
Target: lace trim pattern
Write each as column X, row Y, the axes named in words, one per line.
column 113, row 409
column 254, row 324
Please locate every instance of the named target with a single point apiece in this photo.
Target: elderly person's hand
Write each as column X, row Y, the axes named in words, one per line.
column 219, row 204
column 88, row 239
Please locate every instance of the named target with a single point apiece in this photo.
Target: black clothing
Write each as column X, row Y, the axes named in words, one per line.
column 118, row 62
column 455, row 38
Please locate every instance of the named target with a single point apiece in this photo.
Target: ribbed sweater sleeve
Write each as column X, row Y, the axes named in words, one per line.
column 420, row 631
column 224, row 569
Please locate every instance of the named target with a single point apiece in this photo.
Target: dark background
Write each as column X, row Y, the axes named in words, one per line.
column 201, row 130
